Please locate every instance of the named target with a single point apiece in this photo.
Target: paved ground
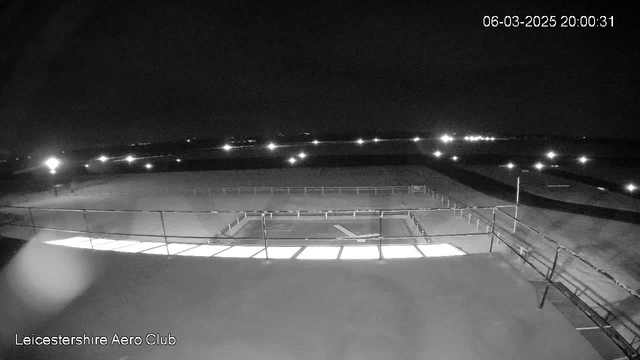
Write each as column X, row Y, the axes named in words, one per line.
column 471, row 307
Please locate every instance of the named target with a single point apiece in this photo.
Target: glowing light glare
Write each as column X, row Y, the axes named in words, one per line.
column 631, row 187
column 376, row 139
column 416, row 139
column 148, row 166
column 130, row 159
column 539, row 166
column 551, row 154
column 315, row 142
column 446, row 138
column 510, row 166
column 271, row 146
column 52, row 171
column 227, row 147
column 454, row 158
column 583, row 159
column 86, row 165
column 103, row 158
column 302, row 155
column 178, row 160
column 360, row 141
column 437, row 153
column 292, row 160
column 52, row 163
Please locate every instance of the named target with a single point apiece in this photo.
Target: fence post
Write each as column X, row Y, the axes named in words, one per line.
column 271, row 191
column 393, row 190
column 255, row 191
column 380, row 239
column 86, row 226
column 209, row 191
column 493, row 227
column 477, row 224
column 33, row 223
column 224, row 191
column 194, row 192
column 449, row 203
column 264, row 236
column 288, row 190
column 358, row 191
column 322, row 190
column 375, row 190
column 549, row 278
column 164, row 233
column 305, row 190
column 469, row 218
column 442, row 203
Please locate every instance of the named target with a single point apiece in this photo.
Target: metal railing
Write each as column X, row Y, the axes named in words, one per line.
column 307, row 190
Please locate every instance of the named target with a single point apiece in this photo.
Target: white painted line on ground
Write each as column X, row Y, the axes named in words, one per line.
column 173, row 249
column 139, row 247
column 359, row 253
column 319, row 253
column 114, row 245
column 204, row 250
column 239, row 252
column 278, row 252
column 440, row 250
column 67, row 242
column 97, row 242
column 400, row 252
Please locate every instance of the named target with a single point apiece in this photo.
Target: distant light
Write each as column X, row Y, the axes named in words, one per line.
column 86, row 165
column 437, row 153
column 493, row 139
column 315, row 142
column 52, row 171
column 148, row 166
column 376, row 139
column 292, row 160
column 188, row 140
column 631, row 188
column 52, row 163
column 227, row 147
column 446, row 138
column 551, row 154
column 539, row 166
column 466, row 138
column 178, row 160
column 271, row 146
column 583, row 159
column 302, row 155
column 360, row 141
column 130, row 159
column 416, row 139
column 511, row 165
column 103, row 158
column 601, row 188
column 455, row 158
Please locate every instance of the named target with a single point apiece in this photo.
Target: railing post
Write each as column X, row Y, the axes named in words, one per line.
column 549, row 278
column 288, row 190
column 477, row 224
column 33, row 223
column 375, row 190
column 449, row 203
column 255, row 191
column 86, row 226
column 264, row 236
column 442, row 203
column 271, row 191
column 493, row 227
column 380, row 238
column 305, row 190
column 209, row 191
column 322, row 190
column 469, row 218
column 224, row 191
column 164, row 233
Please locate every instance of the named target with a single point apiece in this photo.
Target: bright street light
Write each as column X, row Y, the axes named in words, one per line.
column 302, row 155
column 437, row 153
column 130, row 159
column 178, row 160
column 271, row 146
column 52, row 171
column 360, row 141
column 86, row 165
column 376, row 139
column 446, row 138
column 510, row 166
column 454, row 158
column 148, row 166
column 583, row 159
column 539, row 166
column 315, row 142
column 227, row 147
column 631, row 188
column 103, row 158
column 292, row 160
column 416, row 139
column 551, row 155
column 52, row 164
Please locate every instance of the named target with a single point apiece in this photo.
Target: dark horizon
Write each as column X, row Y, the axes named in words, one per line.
column 87, row 73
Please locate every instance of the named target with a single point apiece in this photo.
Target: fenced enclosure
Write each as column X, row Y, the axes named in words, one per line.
column 608, row 302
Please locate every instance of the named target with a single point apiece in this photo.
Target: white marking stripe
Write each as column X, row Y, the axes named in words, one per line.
column 173, row 249
column 440, row 250
column 239, row 252
column 400, row 252
column 139, row 247
column 359, row 252
column 115, row 245
column 319, row 253
column 67, row 242
column 278, row 252
column 204, row 250
column 344, row 230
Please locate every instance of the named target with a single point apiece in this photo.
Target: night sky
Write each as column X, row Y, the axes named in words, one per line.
column 85, row 72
